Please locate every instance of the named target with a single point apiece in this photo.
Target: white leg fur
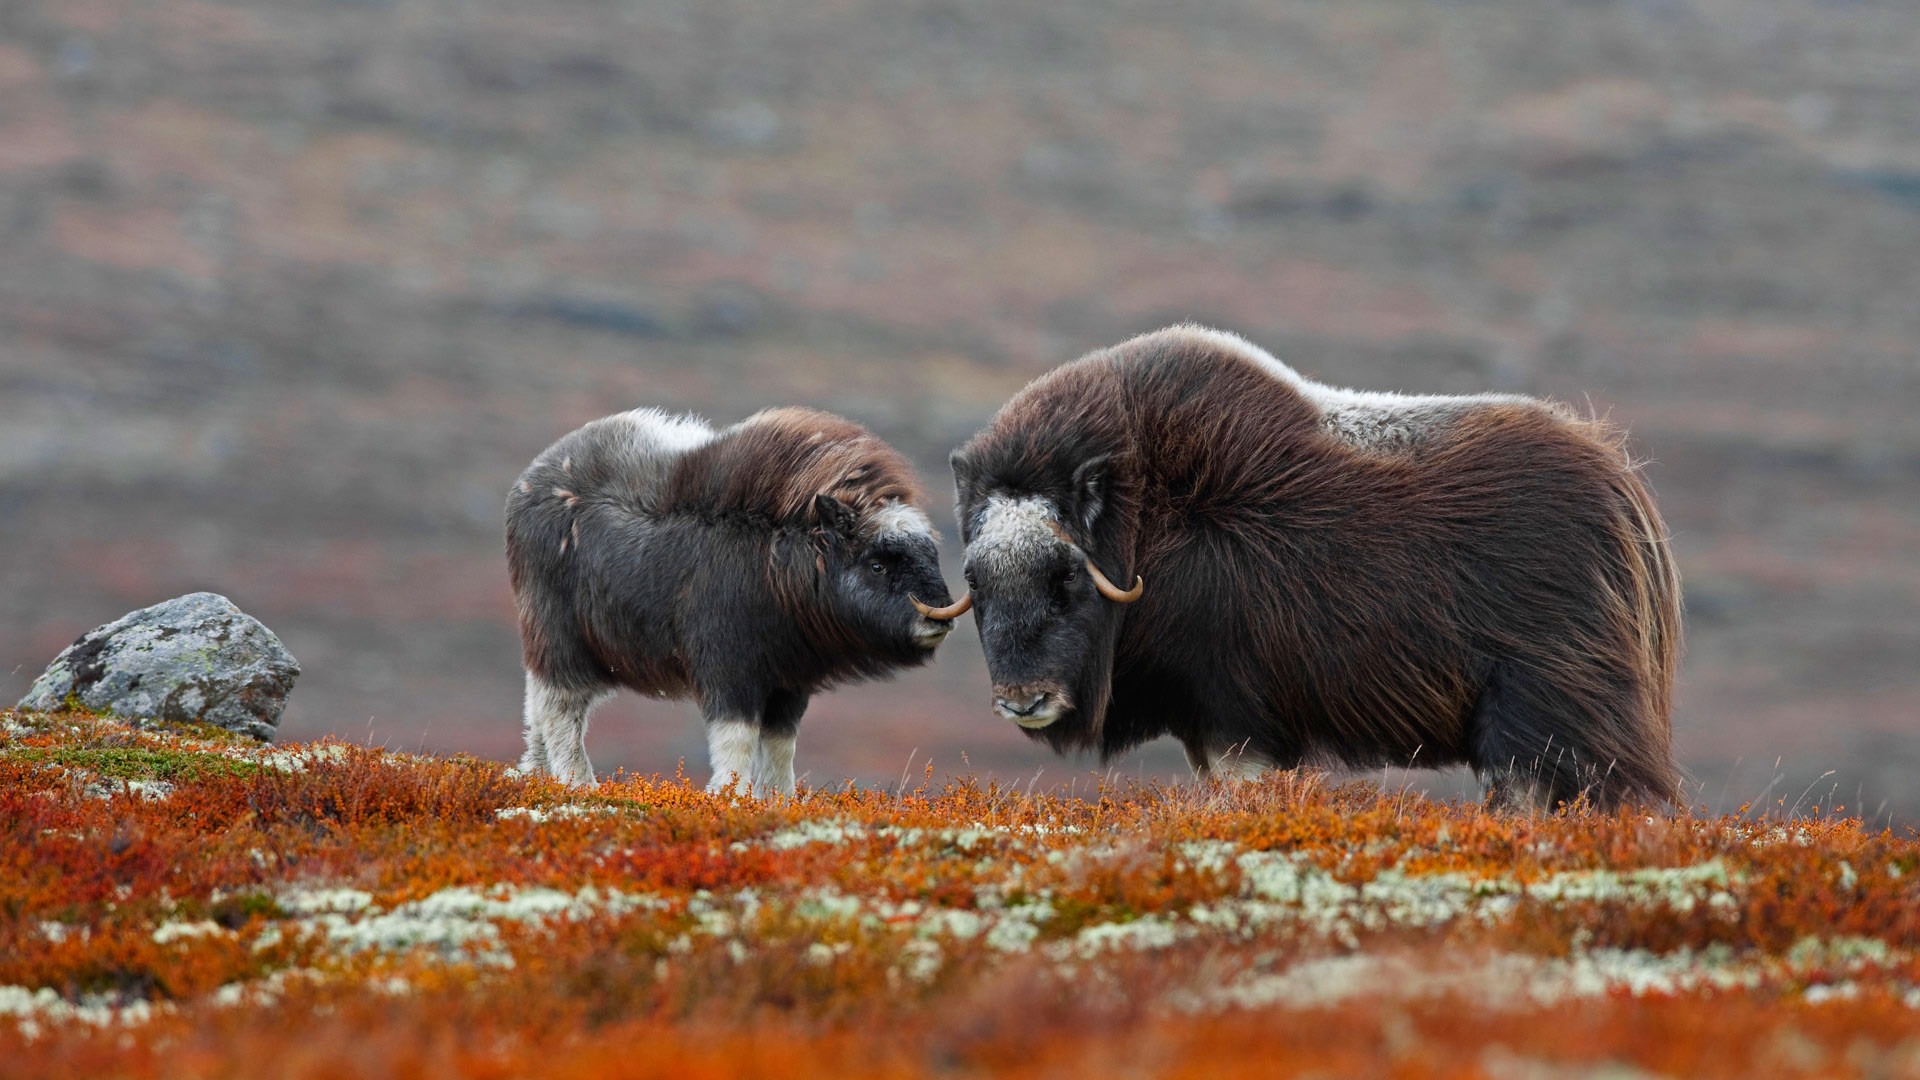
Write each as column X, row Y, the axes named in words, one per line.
column 534, row 727
column 730, row 747
column 773, row 765
column 556, row 728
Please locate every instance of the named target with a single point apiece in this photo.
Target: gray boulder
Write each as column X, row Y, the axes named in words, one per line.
column 196, row 657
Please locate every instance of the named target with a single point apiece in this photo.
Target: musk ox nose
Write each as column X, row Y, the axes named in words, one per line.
column 1032, row 709
column 1026, row 707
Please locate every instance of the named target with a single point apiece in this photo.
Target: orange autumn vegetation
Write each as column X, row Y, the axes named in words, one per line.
column 177, row 904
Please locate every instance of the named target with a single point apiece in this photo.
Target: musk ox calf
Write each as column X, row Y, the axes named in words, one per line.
column 748, row 567
column 1321, row 575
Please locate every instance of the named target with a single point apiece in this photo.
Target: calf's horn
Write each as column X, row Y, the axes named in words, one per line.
column 1111, row 591
column 952, row 611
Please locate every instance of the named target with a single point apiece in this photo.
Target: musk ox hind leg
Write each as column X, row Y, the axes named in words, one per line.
column 556, row 730
column 779, row 731
column 533, row 727
column 1536, row 749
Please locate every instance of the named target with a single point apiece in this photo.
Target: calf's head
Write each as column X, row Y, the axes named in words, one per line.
column 882, row 578
column 1048, row 616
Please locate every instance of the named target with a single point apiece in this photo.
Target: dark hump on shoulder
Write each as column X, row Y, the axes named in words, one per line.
column 772, row 464
column 1209, row 420
column 1179, row 399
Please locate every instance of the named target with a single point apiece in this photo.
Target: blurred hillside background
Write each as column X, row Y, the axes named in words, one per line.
column 290, row 290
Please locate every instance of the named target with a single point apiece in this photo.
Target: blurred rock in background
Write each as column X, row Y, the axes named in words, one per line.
column 290, row 291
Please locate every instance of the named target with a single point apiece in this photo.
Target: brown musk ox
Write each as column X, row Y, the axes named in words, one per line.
column 748, row 568
column 1181, row 536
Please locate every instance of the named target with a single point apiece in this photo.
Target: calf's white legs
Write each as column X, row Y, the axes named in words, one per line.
column 534, row 727
column 773, row 765
column 737, row 750
column 730, row 750
column 556, row 731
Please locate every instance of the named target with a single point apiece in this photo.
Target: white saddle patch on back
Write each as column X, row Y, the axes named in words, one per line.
column 631, row 453
column 652, row 433
column 1367, row 419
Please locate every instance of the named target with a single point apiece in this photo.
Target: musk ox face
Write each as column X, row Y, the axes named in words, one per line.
column 876, row 570
column 1048, row 618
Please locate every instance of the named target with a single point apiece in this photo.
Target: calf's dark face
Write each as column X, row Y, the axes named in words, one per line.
column 876, row 569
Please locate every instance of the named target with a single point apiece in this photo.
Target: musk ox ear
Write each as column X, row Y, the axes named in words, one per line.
column 1091, row 484
column 836, row 517
column 962, row 490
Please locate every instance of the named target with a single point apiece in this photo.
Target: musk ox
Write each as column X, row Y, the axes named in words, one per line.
column 1321, row 575
column 748, row 567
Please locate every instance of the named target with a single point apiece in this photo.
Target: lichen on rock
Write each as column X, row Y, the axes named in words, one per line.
column 194, row 658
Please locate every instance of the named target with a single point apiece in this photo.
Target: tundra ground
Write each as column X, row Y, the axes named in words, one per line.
column 177, row 904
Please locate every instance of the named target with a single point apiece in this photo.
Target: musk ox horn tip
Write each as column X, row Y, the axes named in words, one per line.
column 951, row 611
column 1113, row 592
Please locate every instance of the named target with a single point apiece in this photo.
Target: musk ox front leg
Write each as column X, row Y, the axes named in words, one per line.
column 731, row 699
column 1234, row 762
column 755, row 746
column 731, row 742
column 779, row 731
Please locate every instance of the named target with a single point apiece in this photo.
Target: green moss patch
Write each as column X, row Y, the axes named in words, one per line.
column 135, row 763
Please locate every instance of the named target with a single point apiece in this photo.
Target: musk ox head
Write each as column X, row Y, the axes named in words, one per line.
column 1048, row 616
column 881, row 577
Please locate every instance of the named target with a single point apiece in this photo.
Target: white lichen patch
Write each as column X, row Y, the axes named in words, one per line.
column 169, row 932
column 1516, row 981
column 816, row 831
column 1147, row 932
column 32, row 1007
column 456, row 923
column 564, row 812
column 301, row 759
column 1680, row 887
column 1499, row 980
column 17, row 727
column 1285, row 887
column 107, row 788
column 1849, row 954
column 324, row 901
column 834, row 832
column 1259, row 892
column 1827, row 992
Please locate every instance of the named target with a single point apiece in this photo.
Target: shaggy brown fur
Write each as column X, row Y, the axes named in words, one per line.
column 775, row 462
column 1484, row 580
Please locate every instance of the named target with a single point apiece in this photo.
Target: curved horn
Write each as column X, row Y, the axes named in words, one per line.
column 1111, row 591
column 942, row 614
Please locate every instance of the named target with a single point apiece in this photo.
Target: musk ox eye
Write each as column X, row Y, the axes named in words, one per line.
column 877, row 567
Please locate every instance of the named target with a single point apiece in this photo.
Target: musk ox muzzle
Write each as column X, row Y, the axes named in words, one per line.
column 1032, row 706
